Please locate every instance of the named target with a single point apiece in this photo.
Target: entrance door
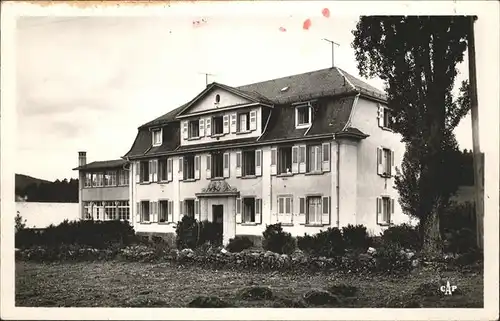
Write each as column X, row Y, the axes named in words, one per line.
column 218, row 219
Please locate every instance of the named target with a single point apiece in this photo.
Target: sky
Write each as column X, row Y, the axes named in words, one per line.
column 87, row 83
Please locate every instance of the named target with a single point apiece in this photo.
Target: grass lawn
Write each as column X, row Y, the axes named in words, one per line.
column 120, row 284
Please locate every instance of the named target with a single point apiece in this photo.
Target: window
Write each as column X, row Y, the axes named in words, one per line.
column 249, row 210
column 384, row 117
column 194, row 129
column 385, row 210
column 189, row 208
column 313, row 214
column 217, row 165
column 123, row 177
column 314, row 159
column 385, row 161
column 87, row 211
column 285, row 209
column 145, row 216
column 157, row 137
column 144, row 171
column 248, row 163
column 123, row 211
column 303, row 116
column 284, row 160
column 188, row 167
column 162, row 167
column 387, row 118
column 217, row 98
column 218, row 127
column 110, row 178
column 243, row 122
column 164, row 211
column 110, row 211
column 88, row 180
column 98, row 210
column 97, row 179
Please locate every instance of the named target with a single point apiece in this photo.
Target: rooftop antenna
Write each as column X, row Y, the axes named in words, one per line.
column 206, row 76
column 333, row 50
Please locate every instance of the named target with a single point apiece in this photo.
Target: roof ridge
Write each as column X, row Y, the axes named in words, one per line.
column 288, row 76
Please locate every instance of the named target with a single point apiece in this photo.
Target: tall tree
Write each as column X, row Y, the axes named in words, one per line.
column 416, row 57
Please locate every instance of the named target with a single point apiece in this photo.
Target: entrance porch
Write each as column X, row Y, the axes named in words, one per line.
column 218, row 204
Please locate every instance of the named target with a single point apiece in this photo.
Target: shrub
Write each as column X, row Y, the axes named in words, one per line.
column 97, row 234
column 239, row 243
column 356, row 237
column 457, row 224
column 187, row 233
column 392, row 258
column 327, row 243
column 210, row 232
column 403, row 235
column 278, row 241
column 20, row 223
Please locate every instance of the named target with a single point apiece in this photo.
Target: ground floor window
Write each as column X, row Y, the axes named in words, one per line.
column 123, row 211
column 110, row 211
column 87, row 211
column 313, row 214
column 385, row 210
column 249, row 210
column 145, row 216
column 189, row 208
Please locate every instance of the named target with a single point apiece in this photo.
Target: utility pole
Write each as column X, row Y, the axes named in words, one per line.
column 206, row 77
column 333, row 50
column 477, row 156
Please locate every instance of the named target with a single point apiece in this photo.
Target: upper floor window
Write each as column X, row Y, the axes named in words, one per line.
column 302, row 116
column 217, row 98
column 243, row 122
column 123, row 177
column 385, row 210
column 384, row 117
column 218, row 127
column 88, row 180
column 157, row 137
column 97, row 179
column 314, row 159
column 285, row 160
column 188, row 167
column 144, row 171
column 194, row 129
column 248, row 163
column 217, row 165
column 385, row 162
column 110, row 178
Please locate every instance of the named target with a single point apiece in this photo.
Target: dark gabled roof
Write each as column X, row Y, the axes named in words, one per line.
column 331, row 116
column 102, row 164
column 187, row 148
column 168, row 117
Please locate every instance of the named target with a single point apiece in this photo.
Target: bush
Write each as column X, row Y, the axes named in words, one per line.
column 327, row 243
column 210, row 232
column 191, row 233
column 392, row 258
column 457, row 224
column 403, row 235
column 96, row 234
column 278, row 241
column 356, row 237
column 239, row 243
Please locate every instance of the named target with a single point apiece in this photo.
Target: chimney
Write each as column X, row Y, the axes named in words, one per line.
column 82, row 158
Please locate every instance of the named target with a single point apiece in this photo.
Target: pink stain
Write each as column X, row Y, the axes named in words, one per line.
column 326, row 12
column 282, row 29
column 198, row 23
column 307, row 24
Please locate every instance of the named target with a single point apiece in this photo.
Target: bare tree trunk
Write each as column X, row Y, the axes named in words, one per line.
column 431, row 246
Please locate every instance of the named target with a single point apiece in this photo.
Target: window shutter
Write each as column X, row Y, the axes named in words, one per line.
column 238, row 210
column 253, row 120
column 185, row 130
column 392, row 211
column 138, row 212
column 150, row 170
column 258, row 162
column 301, row 217
column 155, row 211
column 258, row 210
column 197, row 167
column 181, row 209
column 209, row 165
column 137, row 172
column 197, row 210
column 393, row 170
column 155, row 170
column 181, row 164
column 288, row 209
column 150, row 211
column 238, row 164
column 379, row 211
column 295, row 159
column 274, row 154
column 326, row 157
column 169, row 169
column 380, row 116
column 226, row 164
column 233, row 123
column 208, row 129
column 201, row 124
column 325, row 217
column 380, row 165
column 225, row 121
column 302, row 159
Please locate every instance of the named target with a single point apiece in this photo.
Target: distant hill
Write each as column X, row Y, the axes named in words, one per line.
column 22, row 181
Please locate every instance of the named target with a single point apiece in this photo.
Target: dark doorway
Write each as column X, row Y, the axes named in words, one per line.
column 218, row 220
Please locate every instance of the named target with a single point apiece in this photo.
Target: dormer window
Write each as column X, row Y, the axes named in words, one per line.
column 302, row 116
column 194, row 129
column 157, row 137
column 217, row 98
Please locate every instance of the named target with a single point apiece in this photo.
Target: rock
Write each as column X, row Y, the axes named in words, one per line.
column 268, row 253
column 224, row 251
column 256, row 293
column 409, row 255
column 321, row 297
column 371, row 251
column 208, row 302
column 415, row 263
